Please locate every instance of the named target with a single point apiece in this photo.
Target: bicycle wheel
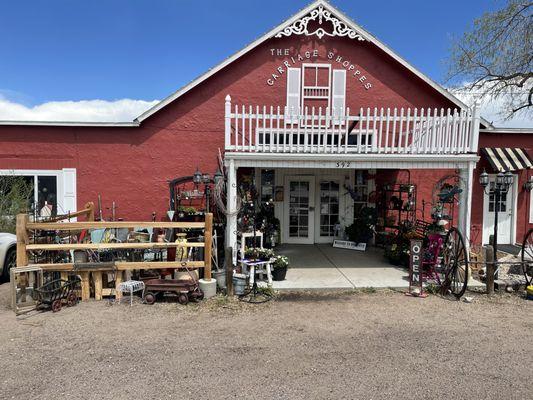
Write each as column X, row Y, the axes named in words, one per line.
column 527, row 257
column 455, row 263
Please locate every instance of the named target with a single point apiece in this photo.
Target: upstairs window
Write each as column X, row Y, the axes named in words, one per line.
column 318, row 86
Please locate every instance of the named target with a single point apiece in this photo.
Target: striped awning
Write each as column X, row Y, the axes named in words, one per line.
column 507, row 158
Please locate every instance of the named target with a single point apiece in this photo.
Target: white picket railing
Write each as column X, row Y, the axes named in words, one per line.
column 403, row 131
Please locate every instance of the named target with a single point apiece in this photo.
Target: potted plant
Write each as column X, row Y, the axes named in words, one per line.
column 258, row 253
column 279, row 268
column 362, row 230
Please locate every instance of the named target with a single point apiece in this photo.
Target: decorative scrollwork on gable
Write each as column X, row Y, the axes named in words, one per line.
column 320, row 14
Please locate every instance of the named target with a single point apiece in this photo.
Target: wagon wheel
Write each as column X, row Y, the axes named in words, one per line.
column 455, row 264
column 200, row 295
column 527, row 257
column 183, row 298
column 149, row 298
column 72, row 299
column 56, row 305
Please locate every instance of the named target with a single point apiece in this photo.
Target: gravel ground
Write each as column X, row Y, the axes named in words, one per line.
column 306, row 345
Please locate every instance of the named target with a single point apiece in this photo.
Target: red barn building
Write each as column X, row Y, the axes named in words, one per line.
column 315, row 105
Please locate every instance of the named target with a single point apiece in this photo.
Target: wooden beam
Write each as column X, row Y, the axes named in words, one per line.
column 120, row 265
column 97, row 278
column 101, row 246
column 118, row 281
column 22, row 239
column 90, row 211
column 208, row 248
column 490, row 269
column 125, row 266
column 76, row 226
column 85, row 288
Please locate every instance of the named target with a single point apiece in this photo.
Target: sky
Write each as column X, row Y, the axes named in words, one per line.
column 113, row 59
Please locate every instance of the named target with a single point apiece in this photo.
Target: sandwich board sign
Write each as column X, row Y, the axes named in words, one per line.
column 415, row 269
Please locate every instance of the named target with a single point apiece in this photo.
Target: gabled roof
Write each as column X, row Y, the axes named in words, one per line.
column 272, row 33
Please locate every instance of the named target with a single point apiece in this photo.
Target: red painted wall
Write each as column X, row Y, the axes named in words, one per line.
column 131, row 165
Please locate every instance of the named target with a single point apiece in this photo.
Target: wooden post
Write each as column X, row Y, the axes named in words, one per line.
column 97, row 278
column 85, row 289
column 22, row 255
column 490, row 268
column 228, row 264
column 90, row 211
column 22, row 240
column 208, row 247
column 118, row 281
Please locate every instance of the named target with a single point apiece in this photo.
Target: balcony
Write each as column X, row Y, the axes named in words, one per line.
column 431, row 131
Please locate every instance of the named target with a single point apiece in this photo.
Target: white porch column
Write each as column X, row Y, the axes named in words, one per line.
column 465, row 199
column 231, row 207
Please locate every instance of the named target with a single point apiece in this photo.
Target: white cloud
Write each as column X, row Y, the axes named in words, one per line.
column 491, row 110
column 123, row 110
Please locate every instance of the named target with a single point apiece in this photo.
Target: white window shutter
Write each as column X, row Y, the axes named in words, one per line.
column 338, row 99
column 69, row 191
column 293, row 95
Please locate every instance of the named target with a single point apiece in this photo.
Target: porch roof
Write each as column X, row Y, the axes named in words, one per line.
column 350, row 160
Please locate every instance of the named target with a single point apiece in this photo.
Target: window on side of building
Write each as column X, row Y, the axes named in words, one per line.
column 43, row 197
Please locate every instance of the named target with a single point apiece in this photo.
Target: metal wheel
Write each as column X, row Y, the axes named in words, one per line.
column 455, row 264
column 183, row 298
column 200, row 295
column 72, row 299
column 56, row 305
column 527, row 257
column 149, row 298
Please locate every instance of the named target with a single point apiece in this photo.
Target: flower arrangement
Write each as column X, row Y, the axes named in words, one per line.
column 280, row 262
column 258, row 253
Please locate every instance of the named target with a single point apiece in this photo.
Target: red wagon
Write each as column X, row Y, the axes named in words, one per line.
column 185, row 289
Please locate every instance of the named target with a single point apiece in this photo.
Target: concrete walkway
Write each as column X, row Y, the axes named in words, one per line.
column 324, row 267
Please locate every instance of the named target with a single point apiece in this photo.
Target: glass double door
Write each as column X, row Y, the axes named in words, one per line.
column 311, row 210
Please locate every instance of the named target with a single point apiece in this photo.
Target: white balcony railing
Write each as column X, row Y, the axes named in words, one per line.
column 316, row 130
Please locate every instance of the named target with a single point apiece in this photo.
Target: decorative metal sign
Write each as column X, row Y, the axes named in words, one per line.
column 320, row 14
column 415, row 263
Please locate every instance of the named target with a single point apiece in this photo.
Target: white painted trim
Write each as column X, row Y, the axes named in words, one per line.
column 524, row 131
column 133, row 124
column 358, row 161
column 311, row 215
column 340, row 178
column 366, row 35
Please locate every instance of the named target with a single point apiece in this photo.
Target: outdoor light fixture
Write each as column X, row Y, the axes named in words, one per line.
column 509, row 179
column 218, row 176
column 197, row 177
column 528, row 185
column 484, row 179
column 502, row 184
column 500, row 180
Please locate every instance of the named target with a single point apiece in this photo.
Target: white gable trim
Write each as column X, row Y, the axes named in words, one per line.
column 367, row 36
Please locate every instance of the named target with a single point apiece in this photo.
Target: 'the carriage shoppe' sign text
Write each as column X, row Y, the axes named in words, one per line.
column 306, row 56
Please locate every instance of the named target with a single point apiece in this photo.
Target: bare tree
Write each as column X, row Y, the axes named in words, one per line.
column 495, row 57
column 15, row 196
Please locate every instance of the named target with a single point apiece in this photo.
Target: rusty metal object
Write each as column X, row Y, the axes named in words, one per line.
column 185, row 289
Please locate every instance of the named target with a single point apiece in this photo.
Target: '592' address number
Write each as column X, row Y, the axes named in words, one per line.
column 343, row 164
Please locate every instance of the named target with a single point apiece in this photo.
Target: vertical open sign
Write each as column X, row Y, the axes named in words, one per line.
column 415, row 263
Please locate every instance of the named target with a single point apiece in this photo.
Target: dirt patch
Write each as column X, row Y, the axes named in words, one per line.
column 318, row 345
